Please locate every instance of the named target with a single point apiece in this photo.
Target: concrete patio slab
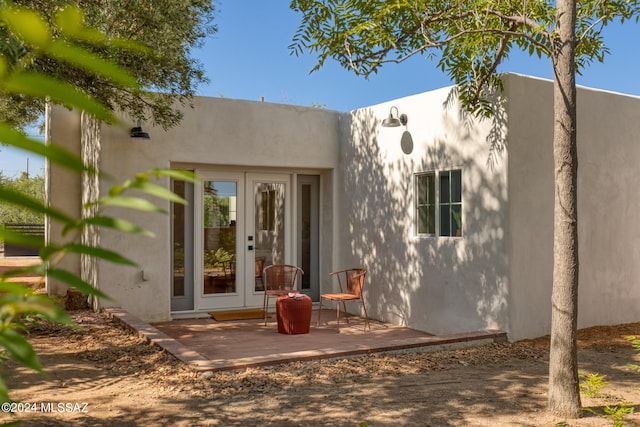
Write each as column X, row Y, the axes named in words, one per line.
column 208, row 345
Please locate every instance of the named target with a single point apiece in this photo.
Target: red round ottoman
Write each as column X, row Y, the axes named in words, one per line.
column 294, row 315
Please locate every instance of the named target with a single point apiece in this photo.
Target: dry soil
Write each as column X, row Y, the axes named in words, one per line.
column 101, row 374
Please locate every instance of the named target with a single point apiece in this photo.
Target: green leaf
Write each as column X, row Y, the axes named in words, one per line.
column 131, row 203
column 75, row 282
column 21, row 272
column 4, row 397
column 16, row 238
column 13, row 288
column 116, row 224
column 27, row 202
column 155, row 190
column 52, row 152
column 179, row 174
column 90, row 62
column 27, row 25
column 20, row 349
column 43, row 86
column 70, row 22
column 101, row 253
column 40, row 306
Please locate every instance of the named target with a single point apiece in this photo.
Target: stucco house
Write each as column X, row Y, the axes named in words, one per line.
column 452, row 216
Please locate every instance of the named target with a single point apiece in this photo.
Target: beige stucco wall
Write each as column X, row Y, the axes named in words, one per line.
column 436, row 284
column 608, row 173
column 63, row 186
column 217, row 134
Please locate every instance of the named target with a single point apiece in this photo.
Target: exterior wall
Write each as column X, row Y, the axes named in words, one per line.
column 63, row 186
column 530, row 145
column 609, row 230
column 608, row 153
column 498, row 274
column 216, row 133
column 435, row 284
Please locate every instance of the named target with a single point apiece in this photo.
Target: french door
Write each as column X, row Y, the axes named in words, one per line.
column 235, row 224
column 242, row 224
column 219, row 223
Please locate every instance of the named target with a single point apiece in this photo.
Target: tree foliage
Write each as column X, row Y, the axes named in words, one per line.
column 25, row 184
column 65, row 43
column 469, row 39
column 164, row 71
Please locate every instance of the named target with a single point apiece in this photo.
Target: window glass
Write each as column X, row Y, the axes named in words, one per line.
column 447, row 203
column 445, row 220
column 451, row 203
column 445, row 189
column 425, row 203
column 456, row 186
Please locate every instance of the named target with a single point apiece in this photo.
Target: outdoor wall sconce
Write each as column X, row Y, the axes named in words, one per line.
column 394, row 121
column 137, row 132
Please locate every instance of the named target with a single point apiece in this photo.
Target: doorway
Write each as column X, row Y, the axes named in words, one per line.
column 234, row 225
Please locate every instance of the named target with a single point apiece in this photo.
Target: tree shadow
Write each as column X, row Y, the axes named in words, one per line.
column 438, row 284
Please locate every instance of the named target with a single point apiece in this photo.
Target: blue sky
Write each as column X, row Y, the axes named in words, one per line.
column 249, row 58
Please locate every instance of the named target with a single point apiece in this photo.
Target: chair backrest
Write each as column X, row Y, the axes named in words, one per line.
column 229, row 269
column 259, row 266
column 282, row 277
column 351, row 280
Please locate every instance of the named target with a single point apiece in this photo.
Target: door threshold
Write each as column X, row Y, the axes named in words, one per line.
column 177, row 315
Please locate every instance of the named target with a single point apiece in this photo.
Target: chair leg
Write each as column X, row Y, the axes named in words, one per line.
column 319, row 312
column 346, row 314
column 338, row 317
column 366, row 317
column 264, row 307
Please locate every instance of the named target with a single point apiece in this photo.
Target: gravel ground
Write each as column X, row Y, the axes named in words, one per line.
column 125, row 381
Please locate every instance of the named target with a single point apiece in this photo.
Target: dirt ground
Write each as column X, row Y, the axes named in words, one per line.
column 101, row 374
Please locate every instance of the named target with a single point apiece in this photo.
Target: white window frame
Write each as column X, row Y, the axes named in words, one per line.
column 437, row 175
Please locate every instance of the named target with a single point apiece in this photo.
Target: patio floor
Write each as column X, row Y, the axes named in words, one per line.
column 208, row 345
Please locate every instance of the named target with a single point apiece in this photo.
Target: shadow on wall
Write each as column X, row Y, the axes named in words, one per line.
column 442, row 284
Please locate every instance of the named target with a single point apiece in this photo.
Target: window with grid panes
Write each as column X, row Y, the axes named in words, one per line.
column 451, row 203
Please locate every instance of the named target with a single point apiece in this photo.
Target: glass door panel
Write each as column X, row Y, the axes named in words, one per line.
column 308, row 233
column 182, row 255
column 269, row 222
column 219, row 220
column 220, row 246
column 267, row 228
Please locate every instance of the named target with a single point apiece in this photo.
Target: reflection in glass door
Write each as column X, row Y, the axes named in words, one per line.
column 308, row 233
column 267, row 226
column 182, row 254
column 269, row 222
column 234, row 225
column 219, row 213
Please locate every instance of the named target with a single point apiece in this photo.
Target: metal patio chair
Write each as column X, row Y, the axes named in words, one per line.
column 280, row 279
column 351, row 282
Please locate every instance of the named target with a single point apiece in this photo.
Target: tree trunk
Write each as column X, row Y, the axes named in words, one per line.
column 564, row 392
column 90, row 153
